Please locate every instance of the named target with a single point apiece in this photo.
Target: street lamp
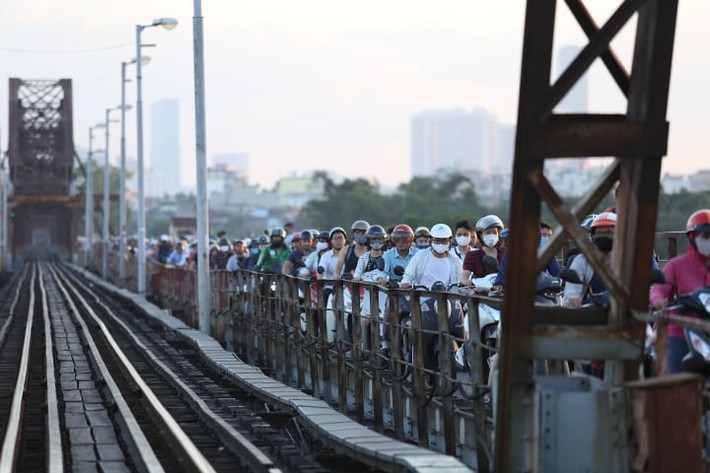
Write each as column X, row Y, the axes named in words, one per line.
column 89, row 191
column 203, row 275
column 145, row 60
column 105, row 232
column 168, row 24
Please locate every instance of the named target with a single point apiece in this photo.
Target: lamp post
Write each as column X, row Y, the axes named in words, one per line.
column 89, row 191
column 168, row 24
column 105, row 232
column 203, row 274
column 122, row 175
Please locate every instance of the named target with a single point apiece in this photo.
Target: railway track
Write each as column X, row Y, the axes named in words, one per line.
column 85, row 385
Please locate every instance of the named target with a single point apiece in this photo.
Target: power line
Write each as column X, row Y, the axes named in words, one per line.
column 66, row 51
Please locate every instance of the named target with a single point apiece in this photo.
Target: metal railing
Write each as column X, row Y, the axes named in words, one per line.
column 311, row 335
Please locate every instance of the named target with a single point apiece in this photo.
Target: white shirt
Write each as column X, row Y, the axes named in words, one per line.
column 329, row 260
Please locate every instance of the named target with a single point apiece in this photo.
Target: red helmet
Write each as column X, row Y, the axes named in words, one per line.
column 699, row 221
column 402, row 230
column 604, row 219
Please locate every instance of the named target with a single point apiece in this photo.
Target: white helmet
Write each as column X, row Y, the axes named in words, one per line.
column 440, row 230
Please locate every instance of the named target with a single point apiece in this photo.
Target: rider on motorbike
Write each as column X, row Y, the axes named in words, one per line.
column 488, row 229
column 347, row 260
column 402, row 253
column 684, row 274
column 273, row 255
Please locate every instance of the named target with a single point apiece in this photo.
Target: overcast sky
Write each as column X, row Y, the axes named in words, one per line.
column 324, row 84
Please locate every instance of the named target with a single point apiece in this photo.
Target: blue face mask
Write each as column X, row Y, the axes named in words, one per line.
column 544, row 240
column 422, row 247
column 255, row 251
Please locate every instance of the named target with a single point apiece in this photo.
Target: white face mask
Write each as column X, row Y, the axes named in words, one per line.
column 703, row 245
column 490, row 240
column 321, row 245
column 463, row 240
column 440, row 248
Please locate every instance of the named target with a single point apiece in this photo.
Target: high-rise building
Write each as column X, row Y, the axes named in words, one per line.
column 577, row 99
column 457, row 140
column 164, row 160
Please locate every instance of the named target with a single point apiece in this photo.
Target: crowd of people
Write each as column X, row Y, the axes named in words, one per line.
column 440, row 253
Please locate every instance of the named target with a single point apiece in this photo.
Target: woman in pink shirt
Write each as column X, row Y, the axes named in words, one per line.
column 684, row 274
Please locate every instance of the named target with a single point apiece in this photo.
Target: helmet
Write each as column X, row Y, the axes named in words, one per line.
column 296, row 236
column 314, row 231
column 307, row 235
column 441, row 230
column 212, row 248
column 699, row 221
column 604, row 219
column 278, row 231
column 263, row 239
column 587, row 222
column 422, row 232
column 335, row 230
column 359, row 225
column 324, row 235
column 375, row 230
column 505, row 233
column 402, row 230
column 489, row 221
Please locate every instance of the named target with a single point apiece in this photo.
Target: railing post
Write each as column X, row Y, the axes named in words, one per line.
column 375, row 362
column 394, row 329
column 324, row 351
column 357, row 355
column 419, row 372
column 447, row 372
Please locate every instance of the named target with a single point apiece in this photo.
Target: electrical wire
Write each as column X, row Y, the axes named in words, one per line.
column 66, row 51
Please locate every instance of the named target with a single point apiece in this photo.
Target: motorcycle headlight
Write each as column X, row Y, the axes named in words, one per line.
column 705, row 300
column 700, row 345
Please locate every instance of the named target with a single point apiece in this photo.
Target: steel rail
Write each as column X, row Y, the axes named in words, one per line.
column 138, row 444
column 188, row 451
column 232, row 438
column 8, row 455
column 55, row 456
column 8, row 322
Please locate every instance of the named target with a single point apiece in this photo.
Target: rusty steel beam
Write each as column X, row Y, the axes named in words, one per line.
column 638, row 141
column 611, row 61
column 604, row 135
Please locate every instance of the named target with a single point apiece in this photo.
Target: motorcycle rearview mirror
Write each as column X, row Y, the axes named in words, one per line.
column 438, row 286
column 398, row 270
column 320, row 270
column 570, row 275
column 657, row 276
column 490, row 262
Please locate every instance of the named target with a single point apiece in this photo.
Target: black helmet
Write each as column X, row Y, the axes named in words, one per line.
column 278, row 231
column 324, row 236
column 375, row 230
column 263, row 239
column 306, row 235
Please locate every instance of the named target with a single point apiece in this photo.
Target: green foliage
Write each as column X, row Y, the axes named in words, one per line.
column 422, row 201
column 426, row 201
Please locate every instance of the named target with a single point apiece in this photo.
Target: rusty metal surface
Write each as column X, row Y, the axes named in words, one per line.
column 668, row 436
column 41, row 157
column 638, row 139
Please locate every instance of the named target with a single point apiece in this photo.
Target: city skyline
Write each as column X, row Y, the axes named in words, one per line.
column 315, row 86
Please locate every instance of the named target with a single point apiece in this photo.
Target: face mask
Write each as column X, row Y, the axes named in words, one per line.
column 605, row 244
column 423, row 246
column 255, row 251
column 490, row 240
column 376, row 245
column 463, row 240
column 360, row 239
column 703, row 245
column 440, row 248
column 277, row 243
column 321, row 245
column 544, row 240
